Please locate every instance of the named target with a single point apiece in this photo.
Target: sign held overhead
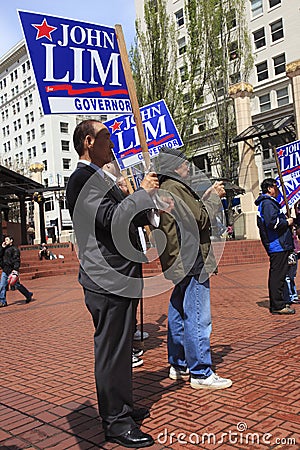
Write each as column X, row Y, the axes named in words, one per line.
column 77, row 65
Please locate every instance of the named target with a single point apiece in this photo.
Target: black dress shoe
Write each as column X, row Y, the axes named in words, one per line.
column 139, row 414
column 132, row 439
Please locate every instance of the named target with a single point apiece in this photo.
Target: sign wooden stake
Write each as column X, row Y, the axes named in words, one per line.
column 288, row 212
column 132, row 94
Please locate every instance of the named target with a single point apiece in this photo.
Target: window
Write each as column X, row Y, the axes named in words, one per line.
column 43, row 145
column 66, row 179
column 42, row 129
column 279, row 64
column 220, row 88
column 45, row 163
column 259, row 38
column 49, row 204
column 235, row 78
column 277, row 30
column 256, row 7
column 264, row 102
column 181, row 46
column 64, row 127
column 179, row 18
column 231, row 19
column 201, row 122
column 66, row 164
column 266, row 153
column 65, row 146
column 34, row 151
column 282, row 96
column 262, row 71
column 273, row 3
column 183, row 73
column 233, row 50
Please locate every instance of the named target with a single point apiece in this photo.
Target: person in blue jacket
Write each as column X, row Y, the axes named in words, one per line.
column 276, row 236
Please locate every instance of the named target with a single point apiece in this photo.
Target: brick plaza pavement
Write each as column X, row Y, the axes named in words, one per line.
column 47, row 392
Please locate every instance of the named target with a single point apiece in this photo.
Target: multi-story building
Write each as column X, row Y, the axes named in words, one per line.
column 275, row 35
column 27, row 136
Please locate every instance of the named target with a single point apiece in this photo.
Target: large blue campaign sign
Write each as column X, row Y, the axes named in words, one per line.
column 289, row 162
column 159, row 128
column 77, row 65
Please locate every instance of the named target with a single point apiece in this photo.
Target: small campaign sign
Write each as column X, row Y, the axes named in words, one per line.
column 77, row 65
column 289, row 163
column 160, row 131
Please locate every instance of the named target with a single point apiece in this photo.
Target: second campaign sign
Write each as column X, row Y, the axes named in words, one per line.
column 77, row 65
column 159, row 128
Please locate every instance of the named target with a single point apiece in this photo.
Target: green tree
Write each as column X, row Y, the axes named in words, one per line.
column 154, row 58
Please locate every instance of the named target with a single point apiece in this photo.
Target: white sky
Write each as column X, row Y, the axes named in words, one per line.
column 103, row 12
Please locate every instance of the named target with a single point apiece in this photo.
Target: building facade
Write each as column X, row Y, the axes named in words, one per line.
column 275, row 38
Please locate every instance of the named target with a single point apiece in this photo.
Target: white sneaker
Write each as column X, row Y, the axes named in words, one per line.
column 138, row 335
column 178, row 374
column 136, row 361
column 212, row 382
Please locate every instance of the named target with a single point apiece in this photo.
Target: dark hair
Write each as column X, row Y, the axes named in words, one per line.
column 266, row 184
column 81, row 131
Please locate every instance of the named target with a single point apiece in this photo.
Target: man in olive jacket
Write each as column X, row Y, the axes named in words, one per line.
column 187, row 259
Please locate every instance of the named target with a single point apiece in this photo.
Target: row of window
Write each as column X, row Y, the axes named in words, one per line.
column 282, row 98
column 276, row 31
column 257, row 6
column 262, row 69
column 30, row 135
column 18, row 158
column 14, row 74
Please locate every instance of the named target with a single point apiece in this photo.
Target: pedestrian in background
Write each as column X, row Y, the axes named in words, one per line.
column 276, row 235
column 10, row 263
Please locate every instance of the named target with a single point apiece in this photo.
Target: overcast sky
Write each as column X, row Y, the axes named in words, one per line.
column 102, row 12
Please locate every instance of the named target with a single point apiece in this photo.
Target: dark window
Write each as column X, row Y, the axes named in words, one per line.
column 179, row 17
column 274, row 3
column 262, row 71
column 259, row 38
column 279, row 64
column 277, row 30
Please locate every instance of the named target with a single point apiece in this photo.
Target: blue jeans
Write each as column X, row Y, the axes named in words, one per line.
column 189, row 327
column 18, row 285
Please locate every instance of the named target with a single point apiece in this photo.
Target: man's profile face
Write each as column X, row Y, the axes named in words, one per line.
column 102, row 145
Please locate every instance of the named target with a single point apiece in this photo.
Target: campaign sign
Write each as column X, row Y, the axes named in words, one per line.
column 77, row 65
column 289, row 162
column 160, row 131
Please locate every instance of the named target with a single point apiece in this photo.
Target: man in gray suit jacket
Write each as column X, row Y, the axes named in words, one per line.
column 105, row 225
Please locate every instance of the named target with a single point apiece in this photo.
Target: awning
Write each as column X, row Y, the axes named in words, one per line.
column 15, row 183
column 269, row 129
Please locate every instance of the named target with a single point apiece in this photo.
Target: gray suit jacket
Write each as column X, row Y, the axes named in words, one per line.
column 105, row 223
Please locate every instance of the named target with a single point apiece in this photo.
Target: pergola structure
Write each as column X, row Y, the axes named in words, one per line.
column 15, row 184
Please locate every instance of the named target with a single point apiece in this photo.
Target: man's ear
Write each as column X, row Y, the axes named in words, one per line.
column 89, row 141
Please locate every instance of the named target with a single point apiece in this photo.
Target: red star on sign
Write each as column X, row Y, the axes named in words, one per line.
column 115, row 126
column 44, row 30
column 280, row 153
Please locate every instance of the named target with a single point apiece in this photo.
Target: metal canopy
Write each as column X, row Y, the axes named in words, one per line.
column 15, row 183
column 271, row 128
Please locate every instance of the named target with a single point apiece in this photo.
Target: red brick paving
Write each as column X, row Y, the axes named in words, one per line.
column 47, row 392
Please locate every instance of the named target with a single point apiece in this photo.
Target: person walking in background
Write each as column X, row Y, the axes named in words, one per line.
column 186, row 259
column 110, row 274
column 276, row 235
column 10, row 263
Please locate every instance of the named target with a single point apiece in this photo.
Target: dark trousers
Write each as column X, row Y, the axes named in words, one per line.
column 277, row 286
column 113, row 321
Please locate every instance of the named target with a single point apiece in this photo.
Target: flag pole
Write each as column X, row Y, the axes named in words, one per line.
column 288, row 211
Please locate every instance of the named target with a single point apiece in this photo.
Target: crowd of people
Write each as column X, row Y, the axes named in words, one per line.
column 109, row 222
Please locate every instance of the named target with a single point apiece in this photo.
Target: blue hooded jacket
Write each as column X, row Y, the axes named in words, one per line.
column 274, row 230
